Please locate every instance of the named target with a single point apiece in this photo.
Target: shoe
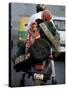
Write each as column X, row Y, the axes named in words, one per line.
column 54, row 81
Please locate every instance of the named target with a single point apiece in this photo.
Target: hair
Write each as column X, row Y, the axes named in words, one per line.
column 39, row 8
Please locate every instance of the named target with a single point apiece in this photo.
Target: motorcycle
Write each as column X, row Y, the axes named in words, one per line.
column 37, row 64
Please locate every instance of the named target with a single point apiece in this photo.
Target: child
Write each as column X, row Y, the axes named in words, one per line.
column 33, row 34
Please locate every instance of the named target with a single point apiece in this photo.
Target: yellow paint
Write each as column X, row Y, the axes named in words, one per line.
column 22, row 23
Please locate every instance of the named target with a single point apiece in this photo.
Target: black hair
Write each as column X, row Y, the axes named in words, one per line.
column 39, row 21
column 39, row 8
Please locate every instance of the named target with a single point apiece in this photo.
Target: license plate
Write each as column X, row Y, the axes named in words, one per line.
column 38, row 76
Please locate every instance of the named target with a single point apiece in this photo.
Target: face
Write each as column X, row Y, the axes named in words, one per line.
column 34, row 27
column 46, row 16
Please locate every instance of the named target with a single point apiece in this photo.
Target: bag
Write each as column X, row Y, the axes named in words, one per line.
column 53, row 40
